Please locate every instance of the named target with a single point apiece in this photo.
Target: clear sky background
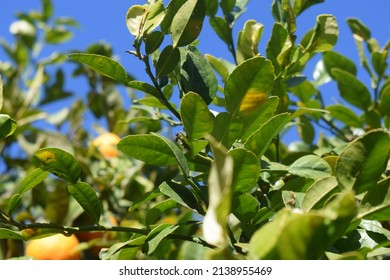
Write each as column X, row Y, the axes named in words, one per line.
column 104, row 21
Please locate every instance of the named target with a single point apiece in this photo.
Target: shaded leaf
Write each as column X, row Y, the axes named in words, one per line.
column 86, row 196
column 345, row 115
column 222, row 29
column 196, row 117
column 359, row 29
column 182, row 195
column 334, row 60
column 385, row 98
column 10, row 234
column 59, row 163
column 103, row 65
column 375, row 204
column 167, row 61
column 144, row 199
column 362, row 162
column 351, row 89
column 302, row 5
column 7, row 126
column 144, row 87
column 226, row 130
column 153, row 41
column 159, row 209
column 197, row 75
column 58, row 35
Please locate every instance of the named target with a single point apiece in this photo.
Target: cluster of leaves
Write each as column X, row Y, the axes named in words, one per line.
column 226, row 186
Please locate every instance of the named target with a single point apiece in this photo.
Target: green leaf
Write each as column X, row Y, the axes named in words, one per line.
column 148, row 148
column 246, row 170
column 197, row 75
column 144, row 87
column 47, row 9
column 7, row 126
column 181, row 195
column 57, row 35
column 311, row 166
column 363, row 161
column 379, row 62
column 211, row 7
column 352, row 89
column 248, row 40
column 155, row 15
column 221, row 66
column 359, row 29
column 10, row 234
column 254, row 121
column 303, row 236
column 325, row 34
column 249, row 86
column 375, row 204
column 59, row 163
column 87, row 198
column 221, row 27
column 103, row 65
column 334, row 60
column 302, row 5
column 134, row 19
column 196, row 117
column 144, row 199
column 159, row 209
column 226, row 130
column 385, row 98
column 319, row 193
column 178, row 153
column 279, row 47
column 157, row 235
column 305, row 129
column 167, row 61
column 259, row 141
column 187, row 22
column 30, row 181
column 1, row 92
column 220, row 196
column 245, row 207
column 345, row 115
column 153, row 41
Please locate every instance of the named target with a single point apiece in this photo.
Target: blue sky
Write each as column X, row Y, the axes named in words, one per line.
column 104, row 21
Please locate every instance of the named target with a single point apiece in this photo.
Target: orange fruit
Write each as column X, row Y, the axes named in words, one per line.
column 55, row 247
column 106, row 144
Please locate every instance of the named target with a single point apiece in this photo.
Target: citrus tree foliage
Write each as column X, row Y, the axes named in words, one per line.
column 224, row 185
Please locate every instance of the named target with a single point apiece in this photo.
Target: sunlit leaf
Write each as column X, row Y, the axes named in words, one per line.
column 86, row 196
column 302, row 5
column 144, row 87
column 59, row 163
column 220, row 195
column 157, row 235
column 248, row 40
column 311, row 166
column 249, row 86
column 10, row 234
column 325, row 34
column 226, row 130
column 148, row 148
column 134, row 19
column 319, row 193
column 344, row 114
column 103, row 65
column 187, row 22
column 363, row 161
column 246, row 170
column 259, row 141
